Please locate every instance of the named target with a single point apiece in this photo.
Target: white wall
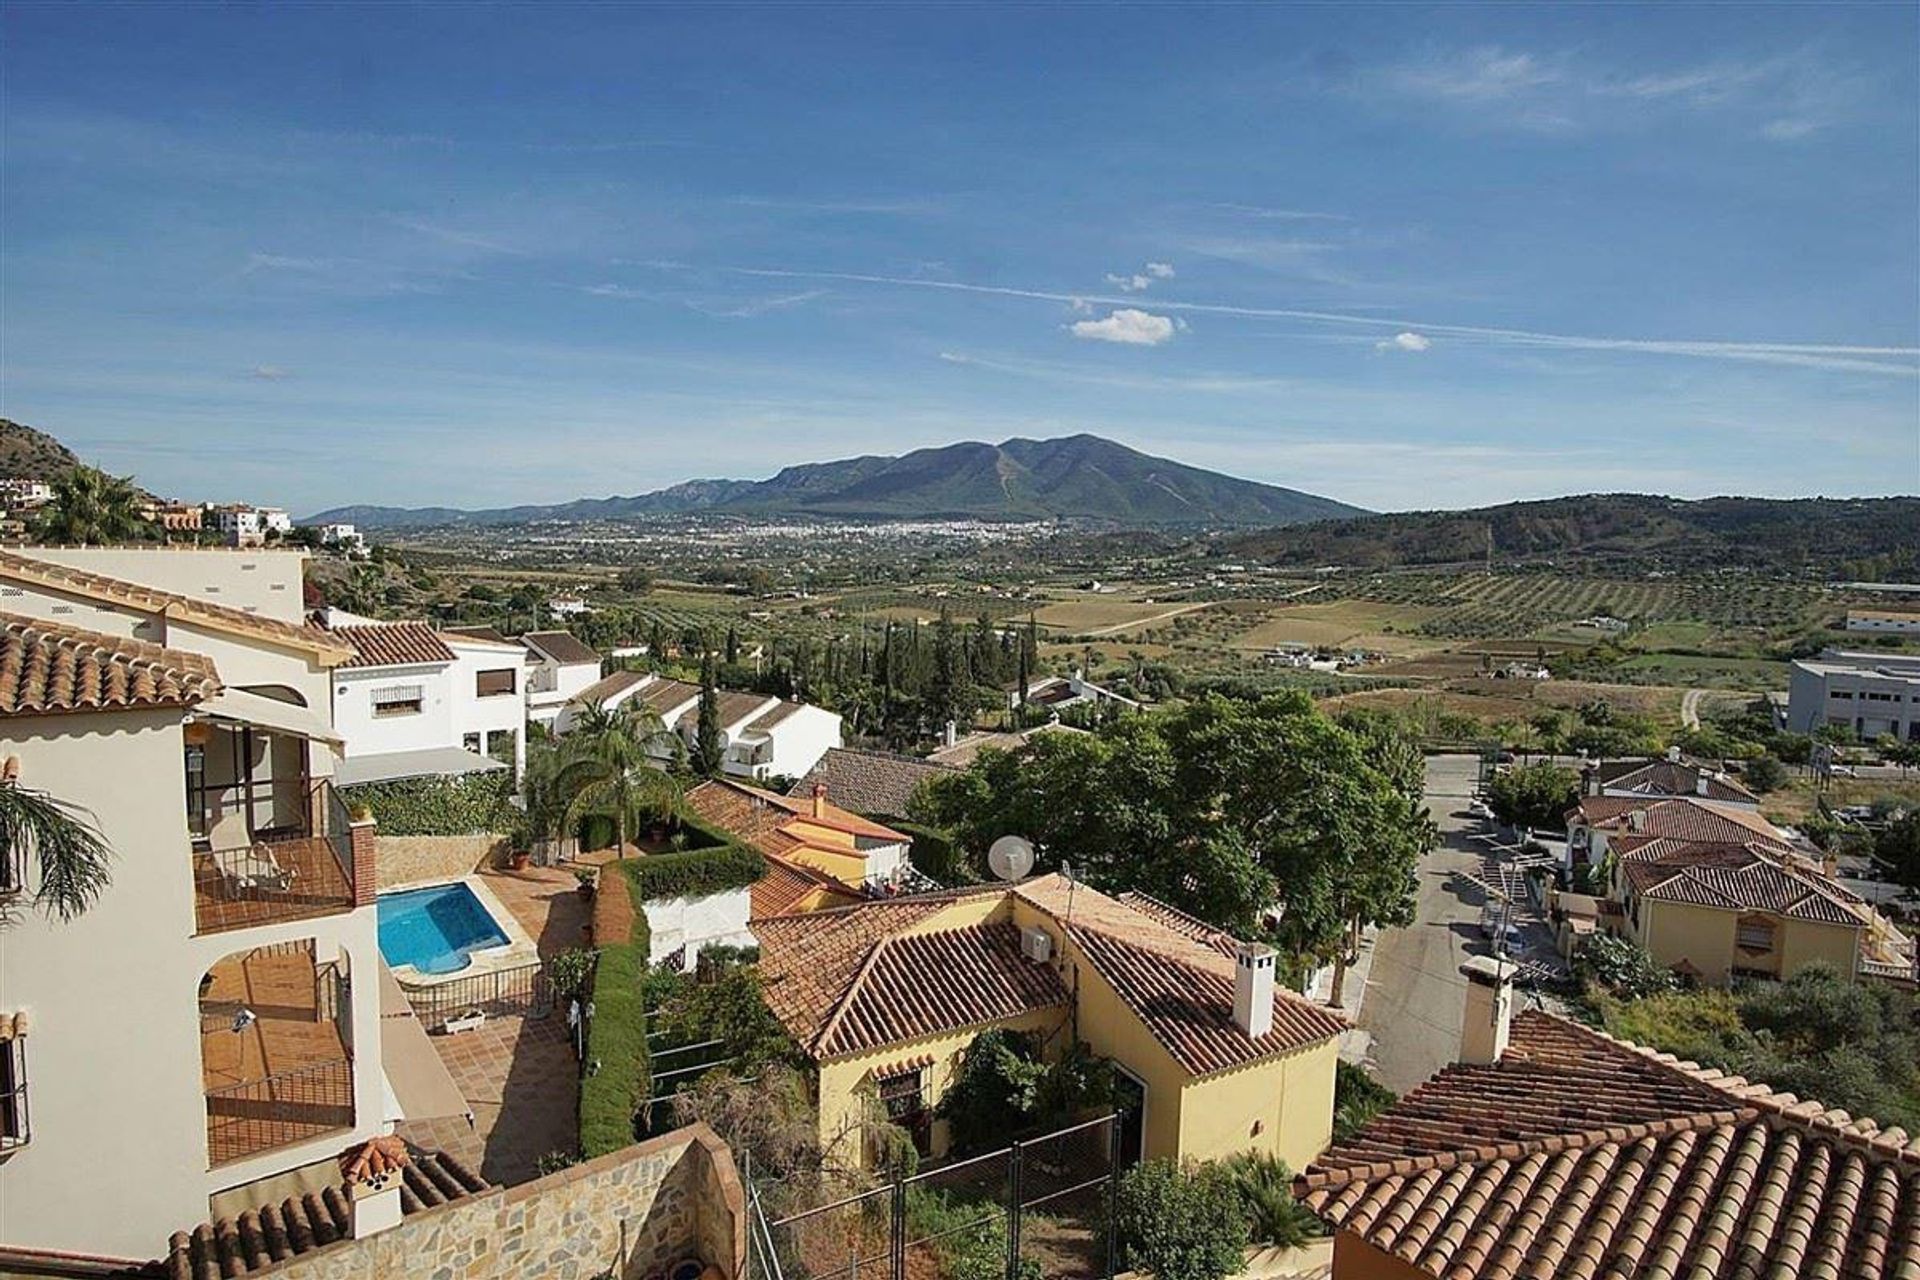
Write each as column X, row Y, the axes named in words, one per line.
column 496, row 713
column 801, row 739
column 715, row 919
column 370, row 735
column 253, row 579
column 118, row 1157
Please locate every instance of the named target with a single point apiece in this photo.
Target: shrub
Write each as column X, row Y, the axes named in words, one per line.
column 1357, row 1098
column 1620, row 967
column 1765, row 774
column 1181, row 1224
column 570, row 970
column 1265, row 1185
column 997, row 1091
column 968, row 1236
column 694, row 873
column 469, row 805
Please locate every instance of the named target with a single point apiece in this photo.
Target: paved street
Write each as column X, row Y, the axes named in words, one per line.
column 1414, row 988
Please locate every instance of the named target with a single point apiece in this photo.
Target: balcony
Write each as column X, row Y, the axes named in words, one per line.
column 248, row 873
column 276, row 1050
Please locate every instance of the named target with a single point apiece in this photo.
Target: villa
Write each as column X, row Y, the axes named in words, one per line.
column 818, row 854
column 560, row 669
column 761, row 737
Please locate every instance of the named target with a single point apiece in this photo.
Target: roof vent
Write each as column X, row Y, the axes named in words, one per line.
column 1036, row 945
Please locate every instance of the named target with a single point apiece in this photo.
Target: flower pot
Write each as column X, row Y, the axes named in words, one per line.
column 519, row 859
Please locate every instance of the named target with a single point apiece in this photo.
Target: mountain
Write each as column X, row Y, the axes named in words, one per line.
column 1877, row 535
column 27, row 454
column 1079, row 476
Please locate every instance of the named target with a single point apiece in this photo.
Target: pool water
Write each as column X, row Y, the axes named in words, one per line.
column 435, row 929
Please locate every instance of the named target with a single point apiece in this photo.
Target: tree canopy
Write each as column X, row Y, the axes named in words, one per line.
column 90, row 508
column 1534, row 795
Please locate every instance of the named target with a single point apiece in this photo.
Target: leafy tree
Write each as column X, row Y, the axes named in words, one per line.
column 1357, row 1098
column 609, row 772
column 1898, row 846
column 1182, row 1224
column 59, row 840
column 707, row 748
column 728, row 1006
column 636, row 581
column 91, row 508
column 1764, row 774
column 997, row 1092
column 733, row 645
column 1533, row 795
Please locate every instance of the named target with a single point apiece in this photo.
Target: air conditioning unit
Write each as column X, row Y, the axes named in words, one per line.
column 1036, row 945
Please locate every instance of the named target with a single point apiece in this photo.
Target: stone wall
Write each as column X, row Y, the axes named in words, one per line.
column 631, row 1213
column 410, row 859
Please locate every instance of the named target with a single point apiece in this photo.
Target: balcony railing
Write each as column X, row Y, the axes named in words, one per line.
column 279, row 1110
column 247, row 876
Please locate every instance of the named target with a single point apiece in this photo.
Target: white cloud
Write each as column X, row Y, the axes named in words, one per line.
column 269, row 373
column 1160, row 270
column 1128, row 326
column 1128, row 284
column 1408, row 341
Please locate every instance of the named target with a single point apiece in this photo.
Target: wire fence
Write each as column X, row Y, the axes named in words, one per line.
column 1039, row 1209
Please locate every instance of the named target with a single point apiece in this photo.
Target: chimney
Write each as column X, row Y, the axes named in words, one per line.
column 950, row 735
column 819, row 799
column 1489, row 1013
column 1253, row 989
column 1590, row 779
column 1636, row 819
column 1701, row 781
column 374, row 1173
column 1673, row 755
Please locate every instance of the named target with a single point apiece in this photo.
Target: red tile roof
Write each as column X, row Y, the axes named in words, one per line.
column 1667, row 778
column 1180, row 922
column 1736, row 877
column 868, row 782
column 1580, row 1156
column 1684, row 818
column 393, row 644
column 47, row 668
column 917, row 985
column 787, row 884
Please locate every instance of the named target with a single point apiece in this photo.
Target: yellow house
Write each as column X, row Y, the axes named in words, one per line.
column 818, row 854
column 1212, row 1059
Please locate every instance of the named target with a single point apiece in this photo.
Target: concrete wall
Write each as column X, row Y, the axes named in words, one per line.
column 258, row 581
column 635, row 1211
column 410, row 859
column 714, row 919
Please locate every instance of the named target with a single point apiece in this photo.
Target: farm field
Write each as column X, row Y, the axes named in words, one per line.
column 1756, row 674
column 1518, row 699
column 1095, row 613
column 1362, row 624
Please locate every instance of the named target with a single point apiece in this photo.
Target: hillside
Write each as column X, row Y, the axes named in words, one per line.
column 1082, row 477
column 27, row 454
column 1804, row 533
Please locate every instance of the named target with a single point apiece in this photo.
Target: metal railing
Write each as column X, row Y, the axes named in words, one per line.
column 523, row 991
column 249, row 875
column 279, row 1110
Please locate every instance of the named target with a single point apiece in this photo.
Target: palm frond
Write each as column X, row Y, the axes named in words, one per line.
column 60, row 837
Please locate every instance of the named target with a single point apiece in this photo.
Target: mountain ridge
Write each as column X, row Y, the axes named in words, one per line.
column 1071, row 477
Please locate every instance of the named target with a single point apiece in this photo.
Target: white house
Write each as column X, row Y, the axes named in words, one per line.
column 342, row 537
column 144, row 1074
column 1074, row 689
column 561, row 669
column 25, row 493
column 1869, row 693
column 415, row 702
column 762, row 736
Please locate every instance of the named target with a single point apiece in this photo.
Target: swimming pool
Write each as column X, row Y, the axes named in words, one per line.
column 435, row 930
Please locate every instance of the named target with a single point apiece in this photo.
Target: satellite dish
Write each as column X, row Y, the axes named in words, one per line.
column 1011, row 857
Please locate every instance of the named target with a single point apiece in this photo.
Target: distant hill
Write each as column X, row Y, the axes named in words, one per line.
column 1079, row 476
column 1711, row 532
column 27, row 454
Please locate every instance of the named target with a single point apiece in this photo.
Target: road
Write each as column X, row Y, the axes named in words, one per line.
column 1690, row 708
column 1141, row 623
column 1415, row 992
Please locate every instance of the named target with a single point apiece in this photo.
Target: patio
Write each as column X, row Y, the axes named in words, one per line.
column 517, row 1073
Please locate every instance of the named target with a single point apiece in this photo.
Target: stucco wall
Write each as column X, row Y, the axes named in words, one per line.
column 409, row 859
column 1355, row 1259
column 801, row 739
column 1672, row 931
column 1289, row 1100
column 707, row 920
column 259, row 581
column 637, row 1211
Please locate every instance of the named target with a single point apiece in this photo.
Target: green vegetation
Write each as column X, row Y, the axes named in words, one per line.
column 617, row 1077
column 1534, row 795
column 1265, row 1186
column 1005, row 1089
column 1357, row 1098
column 609, row 773
column 60, row 842
column 691, row 873
column 967, row 1234
column 91, row 508
column 32, row 455
column 1182, row 1224
column 473, row 804
column 1851, row 1045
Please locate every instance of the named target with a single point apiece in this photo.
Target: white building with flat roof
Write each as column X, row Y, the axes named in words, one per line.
column 1873, row 694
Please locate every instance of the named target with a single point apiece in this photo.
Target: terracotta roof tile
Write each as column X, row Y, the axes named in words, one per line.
column 1667, row 778
column 1580, row 1156
column 787, row 884
column 1179, row 921
column 393, row 644
column 868, row 782
column 1736, row 877
column 218, row 617
column 262, row 1238
column 809, row 962
column 610, row 686
column 47, row 668
column 1682, row 818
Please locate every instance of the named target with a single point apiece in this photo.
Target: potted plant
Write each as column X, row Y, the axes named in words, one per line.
column 519, row 852
column 584, row 881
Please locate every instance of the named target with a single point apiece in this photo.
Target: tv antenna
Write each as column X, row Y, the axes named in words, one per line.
column 1011, row 858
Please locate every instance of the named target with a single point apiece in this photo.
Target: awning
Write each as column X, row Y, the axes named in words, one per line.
column 429, row 762
column 241, row 707
column 420, row 1081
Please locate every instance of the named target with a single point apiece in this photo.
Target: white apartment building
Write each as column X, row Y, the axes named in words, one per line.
column 562, row 668
column 761, row 736
column 212, row 1020
column 1871, row 693
column 414, row 702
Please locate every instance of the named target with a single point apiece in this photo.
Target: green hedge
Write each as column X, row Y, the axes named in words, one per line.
column 693, row 872
column 936, row 855
column 468, row 805
column 619, row 1078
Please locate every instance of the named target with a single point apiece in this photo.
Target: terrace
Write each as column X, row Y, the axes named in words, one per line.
column 276, row 1050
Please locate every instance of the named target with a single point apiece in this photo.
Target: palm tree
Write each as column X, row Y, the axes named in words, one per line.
column 59, row 836
column 609, row 769
column 90, row 507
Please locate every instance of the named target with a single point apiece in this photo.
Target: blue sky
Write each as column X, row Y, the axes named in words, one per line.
column 1406, row 257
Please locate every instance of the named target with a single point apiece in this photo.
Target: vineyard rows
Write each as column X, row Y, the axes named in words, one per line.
column 1517, row 604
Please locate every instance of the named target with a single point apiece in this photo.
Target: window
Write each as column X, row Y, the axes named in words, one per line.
column 398, row 700
column 492, row 684
column 1845, row 695
column 902, row 1096
column 1754, row 933
column 14, row 1129
column 471, row 742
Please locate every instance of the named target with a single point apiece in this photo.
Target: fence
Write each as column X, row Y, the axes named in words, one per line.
column 287, row 1107
column 1042, row 1207
column 523, row 991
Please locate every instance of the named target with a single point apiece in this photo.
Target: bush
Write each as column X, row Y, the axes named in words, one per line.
column 570, row 970
column 937, row 855
column 1265, row 1186
column 996, row 1093
column 693, row 873
column 1534, row 795
column 618, row 1076
column 1620, row 967
column 1357, row 1098
column 1765, row 774
column 1181, row 1224
column 470, row 805
column 968, row 1236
